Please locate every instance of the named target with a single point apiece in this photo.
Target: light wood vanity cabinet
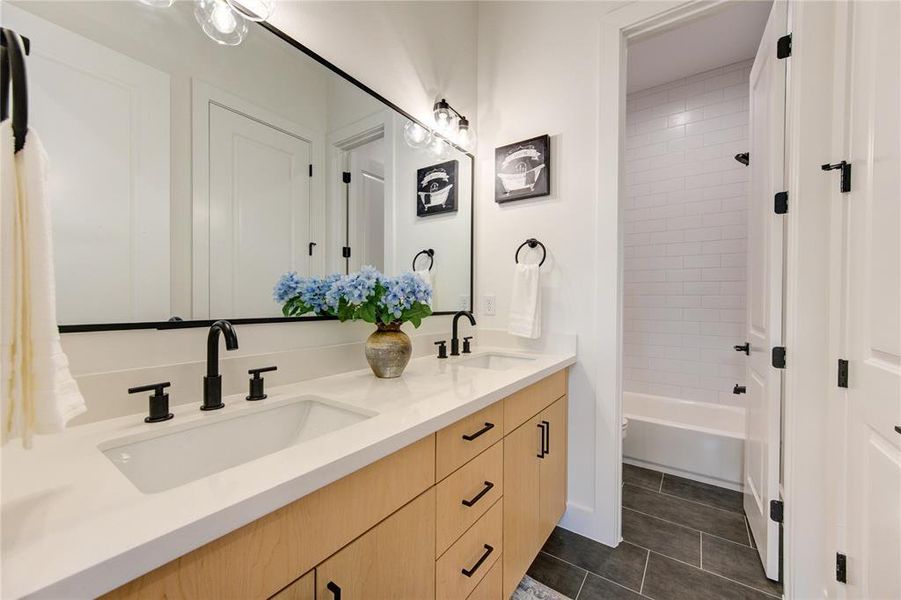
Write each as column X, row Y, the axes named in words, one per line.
column 458, row 515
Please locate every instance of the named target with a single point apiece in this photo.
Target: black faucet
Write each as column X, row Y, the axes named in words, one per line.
column 455, row 341
column 212, row 382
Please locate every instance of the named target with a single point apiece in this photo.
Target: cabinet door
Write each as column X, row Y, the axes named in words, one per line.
column 394, row 560
column 552, row 469
column 302, row 589
column 521, row 481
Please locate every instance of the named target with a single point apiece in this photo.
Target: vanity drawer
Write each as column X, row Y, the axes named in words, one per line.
column 464, row 440
column 465, row 564
column 528, row 402
column 492, row 585
column 479, row 483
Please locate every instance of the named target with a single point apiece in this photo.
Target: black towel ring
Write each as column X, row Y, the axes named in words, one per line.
column 532, row 243
column 430, row 253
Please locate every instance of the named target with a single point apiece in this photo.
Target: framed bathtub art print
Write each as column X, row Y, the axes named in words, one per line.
column 523, row 170
column 436, row 189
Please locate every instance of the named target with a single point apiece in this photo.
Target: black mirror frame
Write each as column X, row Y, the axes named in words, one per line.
column 80, row 328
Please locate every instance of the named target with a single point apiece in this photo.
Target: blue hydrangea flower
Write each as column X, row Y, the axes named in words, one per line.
column 355, row 288
column 287, row 287
column 402, row 291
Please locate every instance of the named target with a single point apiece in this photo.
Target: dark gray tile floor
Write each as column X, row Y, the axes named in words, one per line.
column 682, row 540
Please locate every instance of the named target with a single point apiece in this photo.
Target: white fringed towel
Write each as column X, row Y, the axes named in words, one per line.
column 525, row 302
column 38, row 392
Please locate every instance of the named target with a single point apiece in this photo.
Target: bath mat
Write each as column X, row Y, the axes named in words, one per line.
column 529, row 589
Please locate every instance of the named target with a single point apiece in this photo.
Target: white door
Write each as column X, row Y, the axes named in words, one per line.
column 872, row 301
column 259, row 219
column 765, row 256
column 366, row 219
column 103, row 118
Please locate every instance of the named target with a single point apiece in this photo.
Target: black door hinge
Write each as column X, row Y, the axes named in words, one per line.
column 845, row 166
column 842, row 373
column 345, row 176
column 777, row 510
column 779, row 357
column 311, row 170
column 784, row 46
column 780, row 205
column 841, row 568
column 345, row 252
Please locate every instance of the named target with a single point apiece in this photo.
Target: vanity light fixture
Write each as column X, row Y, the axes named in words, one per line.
column 224, row 21
column 456, row 127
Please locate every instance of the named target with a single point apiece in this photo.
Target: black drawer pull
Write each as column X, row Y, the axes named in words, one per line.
column 541, row 441
column 547, row 438
column 477, row 497
column 488, row 427
column 334, row 589
column 475, row 567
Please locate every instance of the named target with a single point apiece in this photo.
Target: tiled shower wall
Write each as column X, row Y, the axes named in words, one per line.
column 685, row 226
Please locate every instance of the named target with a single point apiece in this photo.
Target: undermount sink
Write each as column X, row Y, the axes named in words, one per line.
column 157, row 462
column 495, row 362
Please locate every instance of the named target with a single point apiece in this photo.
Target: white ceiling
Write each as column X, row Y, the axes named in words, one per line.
column 728, row 35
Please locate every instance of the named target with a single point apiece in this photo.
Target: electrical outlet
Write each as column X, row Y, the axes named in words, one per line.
column 489, row 303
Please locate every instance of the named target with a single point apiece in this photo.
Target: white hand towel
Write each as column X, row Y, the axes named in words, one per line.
column 525, row 302
column 426, row 277
column 38, row 392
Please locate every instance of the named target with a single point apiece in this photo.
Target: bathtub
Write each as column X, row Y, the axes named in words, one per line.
column 696, row 440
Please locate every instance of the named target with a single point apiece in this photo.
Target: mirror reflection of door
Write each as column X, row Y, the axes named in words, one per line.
column 366, row 205
column 259, row 211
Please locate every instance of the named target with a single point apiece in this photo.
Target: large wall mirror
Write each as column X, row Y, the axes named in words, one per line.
column 186, row 177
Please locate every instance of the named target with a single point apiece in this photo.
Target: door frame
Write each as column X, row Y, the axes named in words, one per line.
column 339, row 142
column 808, row 481
column 202, row 96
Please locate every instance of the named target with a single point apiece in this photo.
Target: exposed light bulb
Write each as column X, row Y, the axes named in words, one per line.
column 253, row 10
column 220, row 22
column 438, row 148
column 466, row 137
column 416, row 135
column 444, row 116
column 223, row 18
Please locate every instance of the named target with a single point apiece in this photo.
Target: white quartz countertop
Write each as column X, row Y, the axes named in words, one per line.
column 73, row 526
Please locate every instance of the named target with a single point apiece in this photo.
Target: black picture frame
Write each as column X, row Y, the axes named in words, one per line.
column 436, row 188
column 523, row 170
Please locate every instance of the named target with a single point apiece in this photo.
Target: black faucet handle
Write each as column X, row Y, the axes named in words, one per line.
column 466, row 345
column 157, row 388
column 256, row 372
column 159, row 401
column 257, row 383
column 442, row 348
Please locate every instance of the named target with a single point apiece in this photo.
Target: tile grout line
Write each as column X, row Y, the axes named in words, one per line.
column 701, row 540
column 750, row 587
column 563, row 560
column 684, row 527
column 584, row 579
column 725, row 510
column 644, row 574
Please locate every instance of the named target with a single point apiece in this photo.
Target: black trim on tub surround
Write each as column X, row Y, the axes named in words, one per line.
column 163, row 325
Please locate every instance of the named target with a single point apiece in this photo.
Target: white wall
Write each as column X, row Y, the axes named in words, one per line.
column 539, row 72
column 684, row 234
column 395, row 48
